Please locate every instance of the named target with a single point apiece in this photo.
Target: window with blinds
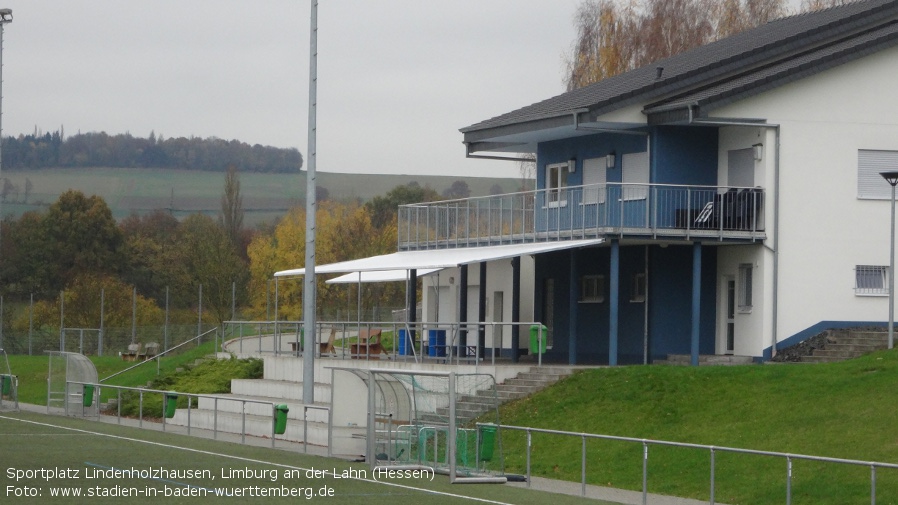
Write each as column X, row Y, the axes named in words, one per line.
column 594, row 180
column 635, row 167
column 871, row 185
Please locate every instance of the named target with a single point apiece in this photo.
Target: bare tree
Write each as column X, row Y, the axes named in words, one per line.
column 614, row 38
column 527, row 167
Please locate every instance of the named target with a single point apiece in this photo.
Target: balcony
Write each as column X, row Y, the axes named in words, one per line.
column 615, row 210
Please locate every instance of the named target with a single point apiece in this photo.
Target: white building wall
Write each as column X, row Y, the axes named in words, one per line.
column 440, row 298
column 825, row 230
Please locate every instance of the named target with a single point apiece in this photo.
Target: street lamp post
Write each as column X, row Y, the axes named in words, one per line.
column 5, row 17
column 892, row 178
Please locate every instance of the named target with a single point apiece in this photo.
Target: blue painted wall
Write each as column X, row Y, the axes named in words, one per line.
column 670, row 300
column 670, row 288
column 582, row 148
column 684, row 155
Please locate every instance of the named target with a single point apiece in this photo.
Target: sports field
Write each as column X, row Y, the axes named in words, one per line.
column 58, row 460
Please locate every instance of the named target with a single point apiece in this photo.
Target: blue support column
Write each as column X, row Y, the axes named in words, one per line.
column 696, row 298
column 614, row 296
column 573, row 306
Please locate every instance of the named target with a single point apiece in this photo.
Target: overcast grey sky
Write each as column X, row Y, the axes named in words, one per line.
column 396, row 78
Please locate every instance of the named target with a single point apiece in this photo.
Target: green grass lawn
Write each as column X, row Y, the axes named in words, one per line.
column 32, row 371
column 844, row 410
column 80, row 449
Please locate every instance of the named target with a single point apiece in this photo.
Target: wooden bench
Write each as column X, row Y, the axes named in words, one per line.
column 132, row 353
column 368, row 347
column 366, row 334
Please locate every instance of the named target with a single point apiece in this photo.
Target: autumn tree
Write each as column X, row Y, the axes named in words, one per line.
column 82, row 237
column 153, row 261
column 458, row 189
column 614, row 38
column 344, row 231
column 383, row 209
column 210, row 260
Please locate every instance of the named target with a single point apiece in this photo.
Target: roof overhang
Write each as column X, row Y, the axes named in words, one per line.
column 378, row 276
column 440, row 258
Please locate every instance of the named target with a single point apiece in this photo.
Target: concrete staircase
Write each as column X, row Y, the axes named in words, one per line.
column 840, row 345
column 706, row 359
column 470, row 407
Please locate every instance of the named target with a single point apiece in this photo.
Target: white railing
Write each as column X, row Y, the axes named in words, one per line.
column 393, row 340
column 584, row 212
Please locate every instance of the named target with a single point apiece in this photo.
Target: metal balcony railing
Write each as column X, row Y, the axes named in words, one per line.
column 575, row 212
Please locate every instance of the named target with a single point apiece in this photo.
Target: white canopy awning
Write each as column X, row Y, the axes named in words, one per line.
column 378, row 276
column 440, row 258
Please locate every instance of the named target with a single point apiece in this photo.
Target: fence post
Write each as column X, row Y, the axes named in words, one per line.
column 711, row 501
column 645, row 470
column 788, row 480
column 873, row 484
column 529, row 443
column 583, row 466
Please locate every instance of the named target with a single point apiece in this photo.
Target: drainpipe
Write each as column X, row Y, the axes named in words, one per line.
column 776, row 239
column 774, row 313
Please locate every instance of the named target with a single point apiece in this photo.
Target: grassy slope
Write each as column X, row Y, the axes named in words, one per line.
column 265, row 195
column 32, row 371
column 839, row 410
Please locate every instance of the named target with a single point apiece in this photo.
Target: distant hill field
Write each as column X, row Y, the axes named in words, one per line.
column 265, row 196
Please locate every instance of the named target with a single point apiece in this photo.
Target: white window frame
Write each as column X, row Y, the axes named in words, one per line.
column 871, row 280
column 635, row 170
column 870, row 162
column 594, row 180
column 556, row 184
column 592, row 289
column 744, row 287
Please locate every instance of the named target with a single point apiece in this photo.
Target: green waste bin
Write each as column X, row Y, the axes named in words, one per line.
column 6, row 384
column 171, row 404
column 280, row 419
column 487, row 442
column 87, row 396
column 535, row 345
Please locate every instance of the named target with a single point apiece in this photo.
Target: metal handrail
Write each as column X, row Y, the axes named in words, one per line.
column 646, row 442
column 190, row 397
column 348, row 330
column 156, row 357
column 584, row 210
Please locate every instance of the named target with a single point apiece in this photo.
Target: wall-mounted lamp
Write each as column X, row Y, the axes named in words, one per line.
column 609, row 160
column 572, row 165
column 759, row 151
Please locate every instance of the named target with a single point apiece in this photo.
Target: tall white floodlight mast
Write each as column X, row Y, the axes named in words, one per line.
column 5, row 17
column 309, row 295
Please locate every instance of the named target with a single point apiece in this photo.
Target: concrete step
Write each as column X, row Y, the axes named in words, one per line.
column 287, row 391
column 515, row 388
column 236, row 403
column 837, row 353
column 873, row 335
column 534, row 383
column 709, row 359
column 540, row 376
column 820, row 359
column 552, row 370
column 862, row 348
